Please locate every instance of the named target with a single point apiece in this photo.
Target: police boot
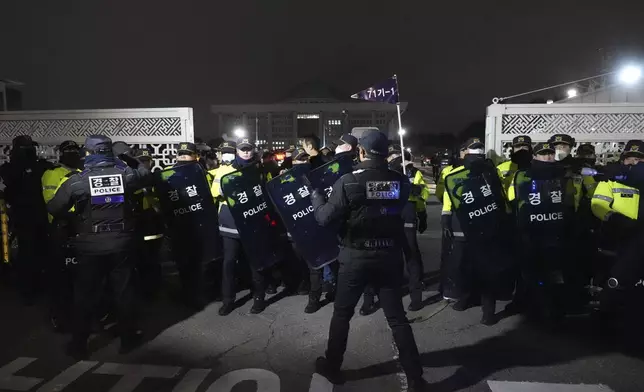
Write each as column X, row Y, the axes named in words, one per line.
column 330, row 292
column 368, row 305
column 329, row 371
column 227, row 306
column 314, row 302
column 416, row 300
column 419, row 385
column 488, row 304
column 259, row 304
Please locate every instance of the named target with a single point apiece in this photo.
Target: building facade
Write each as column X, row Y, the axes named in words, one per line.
column 314, row 111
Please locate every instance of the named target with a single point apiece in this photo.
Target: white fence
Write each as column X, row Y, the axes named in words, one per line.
column 607, row 126
column 160, row 129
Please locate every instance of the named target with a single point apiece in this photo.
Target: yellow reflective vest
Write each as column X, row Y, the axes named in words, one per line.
column 51, row 180
column 440, row 187
column 420, row 193
column 612, row 197
column 215, row 188
column 506, row 171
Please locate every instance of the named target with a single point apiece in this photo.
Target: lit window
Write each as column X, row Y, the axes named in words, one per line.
column 308, row 116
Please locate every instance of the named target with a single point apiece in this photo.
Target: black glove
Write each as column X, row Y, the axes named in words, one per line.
column 422, row 221
column 131, row 162
column 446, row 225
column 317, row 198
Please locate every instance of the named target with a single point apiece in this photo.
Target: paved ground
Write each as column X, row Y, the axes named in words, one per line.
column 204, row 352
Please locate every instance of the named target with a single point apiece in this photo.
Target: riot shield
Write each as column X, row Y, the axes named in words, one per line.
column 260, row 231
column 186, row 201
column 326, row 175
column 317, row 245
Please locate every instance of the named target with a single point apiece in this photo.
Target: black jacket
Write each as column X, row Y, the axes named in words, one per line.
column 75, row 192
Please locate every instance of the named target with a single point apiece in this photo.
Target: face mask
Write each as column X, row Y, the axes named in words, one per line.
column 342, row 148
column 227, row 157
column 521, row 157
column 560, row 155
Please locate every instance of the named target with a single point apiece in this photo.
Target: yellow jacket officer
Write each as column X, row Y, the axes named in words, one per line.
column 520, row 159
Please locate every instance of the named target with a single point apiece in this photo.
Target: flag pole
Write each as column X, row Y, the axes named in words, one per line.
column 402, row 146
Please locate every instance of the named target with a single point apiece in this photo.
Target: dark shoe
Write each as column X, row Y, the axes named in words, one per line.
column 314, row 303
column 271, row 289
column 77, row 350
column 368, row 306
column 331, row 373
column 226, row 308
column 131, row 342
column 415, row 306
column 419, row 385
column 258, row 305
column 461, row 305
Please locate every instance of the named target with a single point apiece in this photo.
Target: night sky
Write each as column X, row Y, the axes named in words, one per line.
column 451, row 57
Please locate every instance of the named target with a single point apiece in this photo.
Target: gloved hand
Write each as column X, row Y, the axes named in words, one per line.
column 131, row 162
column 422, row 221
column 446, row 225
column 317, row 198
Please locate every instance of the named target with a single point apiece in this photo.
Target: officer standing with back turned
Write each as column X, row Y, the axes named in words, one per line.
column 102, row 195
column 369, row 204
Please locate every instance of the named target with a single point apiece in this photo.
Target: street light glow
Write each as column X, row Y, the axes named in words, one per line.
column 402, row 131
column 550, row 102
column 409, row 149
column 572, row 93
column 239, row 132
column 630, row 74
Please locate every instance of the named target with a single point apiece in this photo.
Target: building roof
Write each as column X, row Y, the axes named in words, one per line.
column 616, row 93
column 12, row 83
column 315, row 92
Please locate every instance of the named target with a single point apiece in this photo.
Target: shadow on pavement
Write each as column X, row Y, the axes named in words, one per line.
column 520, row 347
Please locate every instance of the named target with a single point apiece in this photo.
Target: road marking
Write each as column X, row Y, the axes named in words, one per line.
column 191, row 381
column 267, row 381
column 68, row 376
column 134, row 374
column 511, row 386
column 17, row 383
column 320, row 384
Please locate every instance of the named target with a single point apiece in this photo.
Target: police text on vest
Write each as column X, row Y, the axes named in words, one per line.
column 483, row 211
column 552, row 216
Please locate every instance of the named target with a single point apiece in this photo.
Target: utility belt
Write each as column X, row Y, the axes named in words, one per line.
column 110, row 228
column 373, row 244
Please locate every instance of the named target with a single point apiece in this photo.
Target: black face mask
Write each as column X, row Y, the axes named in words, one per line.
column 588, row 162
column 521, row 157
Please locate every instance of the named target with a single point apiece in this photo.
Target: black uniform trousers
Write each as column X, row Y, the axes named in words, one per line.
column 452, row 278
column 31, row 243
column 189, row 253
column 413, row 258
column 232, row 253
column 382, row 269
column 149, row 266
column 91, row 275
column 59, row 275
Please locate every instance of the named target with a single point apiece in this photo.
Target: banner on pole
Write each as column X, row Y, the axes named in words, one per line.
column 385, row 91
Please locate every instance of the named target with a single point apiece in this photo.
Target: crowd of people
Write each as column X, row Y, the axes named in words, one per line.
column 542, row 229
column 98, row 212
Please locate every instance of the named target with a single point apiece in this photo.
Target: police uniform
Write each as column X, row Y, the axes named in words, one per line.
column 474, row 195
column 545, row 202
column 369, row 204
column 232, row 246
column 151, row 230
column 22, row 177
column 106, row 241
column 617, row 203
column 415, row 219
column 60, row 231
column 507, row 169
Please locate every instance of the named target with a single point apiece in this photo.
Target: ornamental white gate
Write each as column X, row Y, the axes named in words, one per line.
column 160, row 129
column 607, row 126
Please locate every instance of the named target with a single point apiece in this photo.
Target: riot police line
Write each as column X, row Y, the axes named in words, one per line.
column 558, row 235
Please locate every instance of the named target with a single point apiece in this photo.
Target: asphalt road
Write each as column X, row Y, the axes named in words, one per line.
column 275, row 351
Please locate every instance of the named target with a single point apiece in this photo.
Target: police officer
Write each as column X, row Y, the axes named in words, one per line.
column 235, row 156
column 369, row 204
column 106, row 241
column 347, row 145
column 474, row 194
column 546, row 202
column 23, row 193
column 151, row 231
column 415, row 219
column 617, row 203
column 519, row 159
column 311, row 145
column 563, row 145
column 59, row 274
